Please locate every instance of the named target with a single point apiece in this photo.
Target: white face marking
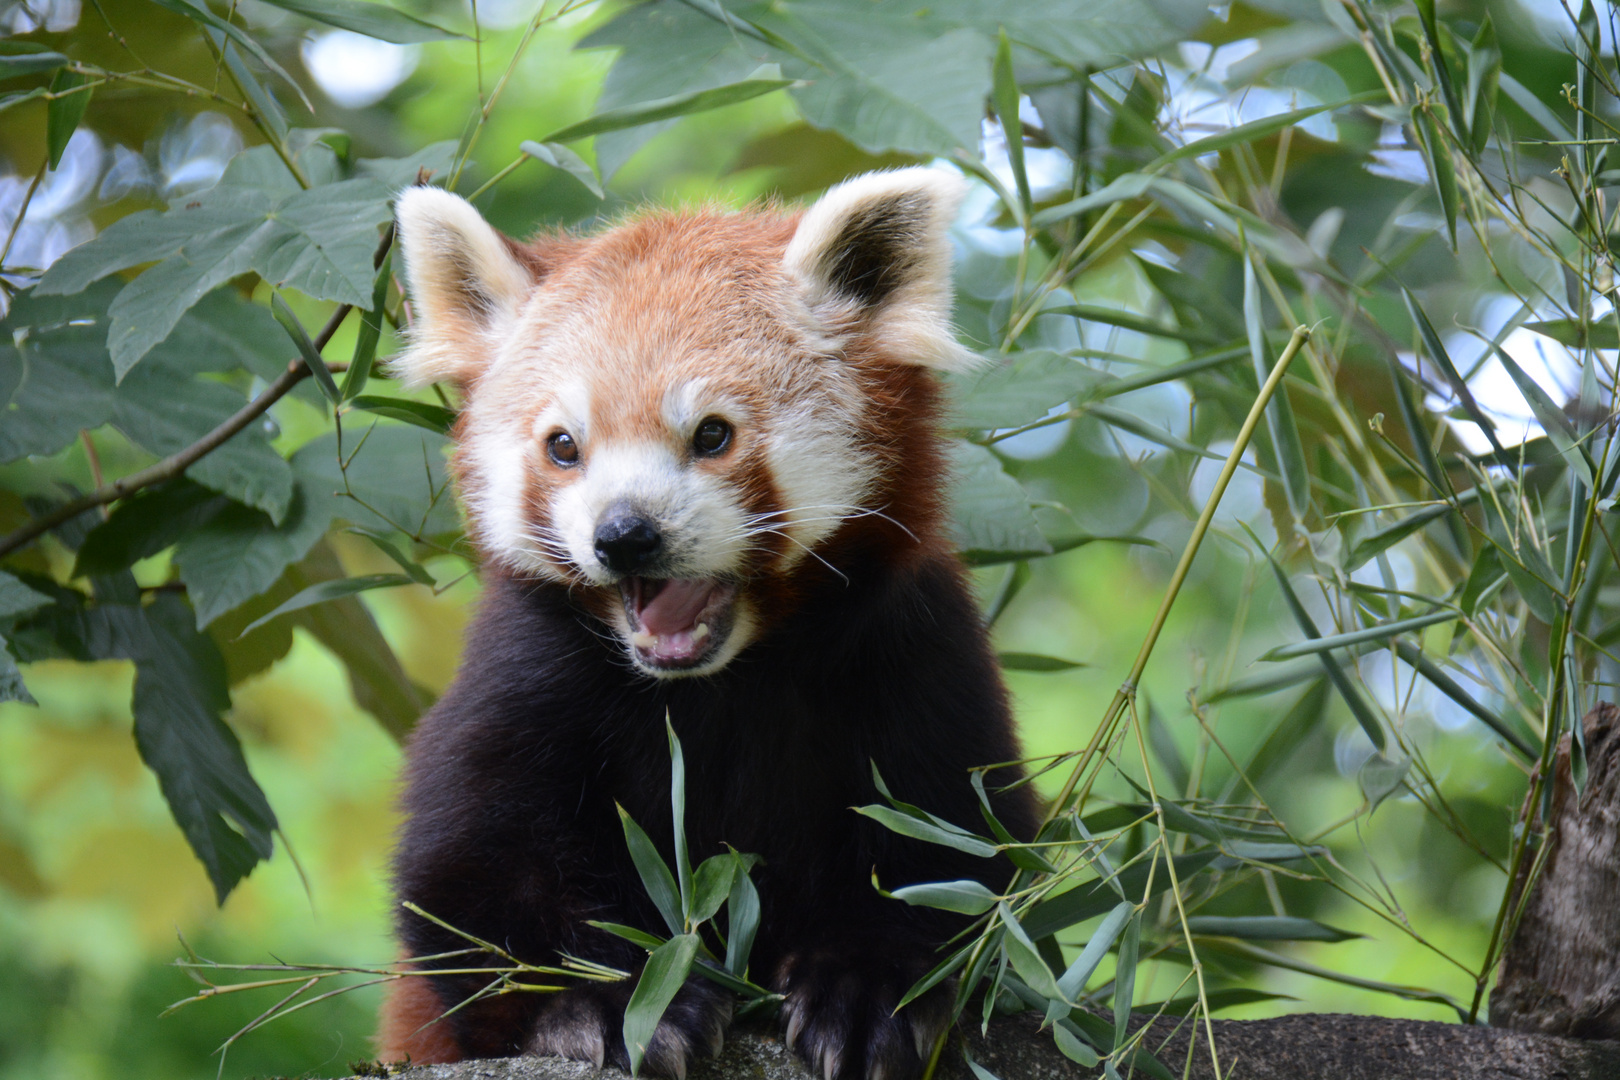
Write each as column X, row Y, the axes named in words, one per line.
column 696, row 512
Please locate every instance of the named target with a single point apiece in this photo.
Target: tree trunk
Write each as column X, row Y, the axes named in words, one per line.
column 1560, row 973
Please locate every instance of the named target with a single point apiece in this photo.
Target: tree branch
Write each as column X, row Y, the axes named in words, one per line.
column 178, row 462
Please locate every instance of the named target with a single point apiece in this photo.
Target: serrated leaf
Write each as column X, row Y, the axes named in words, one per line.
column 17, row 598
column 1019, row 390
column 64, row 112
column 373, row 20
column 62, row 383
column 666, row 971
column 141, row 526
column 992, row 515
column 561, row 157
column 319, row 242
column 12, row 687
column 422, row 414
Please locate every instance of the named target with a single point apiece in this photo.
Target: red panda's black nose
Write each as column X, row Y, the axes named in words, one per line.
column 626, row 541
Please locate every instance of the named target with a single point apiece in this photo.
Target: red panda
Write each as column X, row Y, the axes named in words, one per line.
column 701, row 455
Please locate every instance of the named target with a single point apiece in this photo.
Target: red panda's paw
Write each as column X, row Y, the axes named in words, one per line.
column 586, row 1023
column 839, row 1013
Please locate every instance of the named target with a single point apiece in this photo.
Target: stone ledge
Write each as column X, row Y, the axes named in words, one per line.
column 1307, row 1046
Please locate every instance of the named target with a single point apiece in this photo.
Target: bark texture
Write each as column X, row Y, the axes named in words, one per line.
column 1310, row 1046
column 1560, row 973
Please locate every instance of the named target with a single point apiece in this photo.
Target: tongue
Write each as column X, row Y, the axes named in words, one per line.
column 676, row 606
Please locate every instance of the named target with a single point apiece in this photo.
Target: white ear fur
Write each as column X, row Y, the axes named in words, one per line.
column 463, row 282
column 875, row 252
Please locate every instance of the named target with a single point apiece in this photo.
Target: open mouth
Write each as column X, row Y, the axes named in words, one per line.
column 676, row 623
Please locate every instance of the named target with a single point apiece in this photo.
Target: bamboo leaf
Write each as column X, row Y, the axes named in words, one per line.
column 423, row 414
column 1004, row 91
column 325, row 591
column 654, row 872
column 63, row 113
column 365, row 342
column 1280, row 424
column 1379, row 632
column 921, row 829
column 1021, row 661
column 1266, row 928
column 373, row 20
column 665, row 973
column 306, row 348
column 764, row 80
column 1549, row 415
column 1442, row 359
column 967, row 897
column 742, row 922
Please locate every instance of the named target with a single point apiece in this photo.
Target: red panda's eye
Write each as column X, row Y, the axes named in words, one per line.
column 563, row 450
column 712, row 436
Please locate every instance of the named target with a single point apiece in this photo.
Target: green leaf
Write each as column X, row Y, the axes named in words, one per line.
column 665, row 973
column 1022, row 661
column 933, row 831
column 435, row 418
column 28, row 58
column 1341, row 682
column 655, row 875
column 327, row 591
column 1073, row 1049
column 1413, row 655
column 1217, row 1000
column 1437, row 152
column 306, row 348
column 1484, row 76
column 365, row 342
column 1380, row 777
column 711, row 885
column 1267, row 928
column 348, row 631
column 992, row 516
column 764, row 80
column 415, row 571
column 62, row 383
column 1019, row 390
column 1280, row 424
column 141, row 526
column 677, row 801
column 373, row 20
column 1378, row 632
column 1026, row 959
column 629, row 933
column 968, row 897
column 1263, row 851
column 1551, row 418
column 240, row 552
column 64, row 112
column 386, row 479
column 561, row 157
column 319, row 242
column 1381, row 540
column 1074, row 980
column 1125, row 979
column 1256, row 129
column 180, row 693
column 197, row 11
column 1442, row 359
column 17, row 598
column 742, row 922
column 12, row 687
column 1093, row 898
column 1006, row 96
column 1255, row 954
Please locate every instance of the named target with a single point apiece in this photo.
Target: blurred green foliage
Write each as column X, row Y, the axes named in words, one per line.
column 1134, row 290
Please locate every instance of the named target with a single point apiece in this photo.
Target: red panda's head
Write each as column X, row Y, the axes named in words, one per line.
column 677, row 416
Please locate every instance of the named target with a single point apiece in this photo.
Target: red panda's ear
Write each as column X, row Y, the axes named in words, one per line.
column 874, row 254
column 464, row 281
